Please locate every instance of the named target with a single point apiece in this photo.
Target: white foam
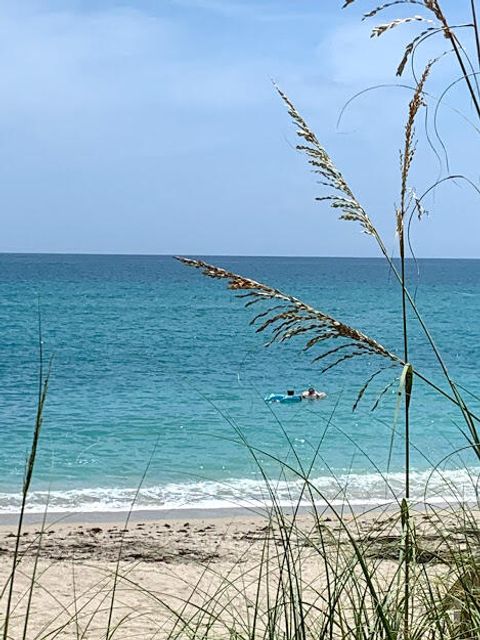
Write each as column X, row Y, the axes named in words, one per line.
column 354, row 489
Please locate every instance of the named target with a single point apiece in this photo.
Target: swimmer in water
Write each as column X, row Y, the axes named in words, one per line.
column 313, row 394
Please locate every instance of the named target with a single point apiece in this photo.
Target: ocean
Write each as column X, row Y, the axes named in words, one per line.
column 157, row 389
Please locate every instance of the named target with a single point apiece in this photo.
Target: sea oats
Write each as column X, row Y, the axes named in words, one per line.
column 341, row 197
column 408, row 153
column 410, row 48
column 440, row 24
column 434, row 7
column 387, row 5
column 290, row 317
column 382, row 28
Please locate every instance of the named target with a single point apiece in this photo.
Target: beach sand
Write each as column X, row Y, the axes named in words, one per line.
column 164, row 564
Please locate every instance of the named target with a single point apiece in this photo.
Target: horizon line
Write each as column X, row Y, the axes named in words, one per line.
column 227, row 255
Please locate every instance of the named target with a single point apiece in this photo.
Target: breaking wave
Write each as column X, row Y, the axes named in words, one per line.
column 354, row 489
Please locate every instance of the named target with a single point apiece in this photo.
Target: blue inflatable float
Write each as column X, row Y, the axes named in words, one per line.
column 283, row 398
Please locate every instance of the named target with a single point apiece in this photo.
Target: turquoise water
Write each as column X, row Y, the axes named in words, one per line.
column 153, row 362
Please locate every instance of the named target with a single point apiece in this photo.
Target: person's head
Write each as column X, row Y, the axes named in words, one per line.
column 291, row 392
column 311, row 391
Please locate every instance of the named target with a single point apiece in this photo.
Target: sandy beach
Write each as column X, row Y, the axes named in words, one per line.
column 169, row 568
column 162, row 563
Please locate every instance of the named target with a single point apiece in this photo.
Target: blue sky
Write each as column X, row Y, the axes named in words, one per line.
column 153, row 127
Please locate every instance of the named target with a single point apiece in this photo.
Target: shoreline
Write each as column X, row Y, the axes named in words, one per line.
column 219, row 513
column 189, row 513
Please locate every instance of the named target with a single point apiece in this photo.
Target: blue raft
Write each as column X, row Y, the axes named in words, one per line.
column 283, row 398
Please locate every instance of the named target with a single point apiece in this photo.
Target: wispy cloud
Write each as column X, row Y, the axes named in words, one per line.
column 62, row 62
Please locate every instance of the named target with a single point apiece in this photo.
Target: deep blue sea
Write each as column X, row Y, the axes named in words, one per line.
column 158, row 382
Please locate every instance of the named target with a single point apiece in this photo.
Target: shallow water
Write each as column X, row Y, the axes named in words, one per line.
column 155, row 369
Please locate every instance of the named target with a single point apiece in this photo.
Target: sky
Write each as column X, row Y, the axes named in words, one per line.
column 153, row 127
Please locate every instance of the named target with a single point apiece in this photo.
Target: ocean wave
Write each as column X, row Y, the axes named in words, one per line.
column 353, row 489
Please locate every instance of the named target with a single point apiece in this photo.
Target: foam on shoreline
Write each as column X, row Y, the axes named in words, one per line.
column 354, row 491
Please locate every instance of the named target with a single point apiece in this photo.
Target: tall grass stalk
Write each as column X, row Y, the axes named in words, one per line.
column 34, row 572
column 476, row 29
column 407, row 157
column 112, row 629
column 42, row 396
